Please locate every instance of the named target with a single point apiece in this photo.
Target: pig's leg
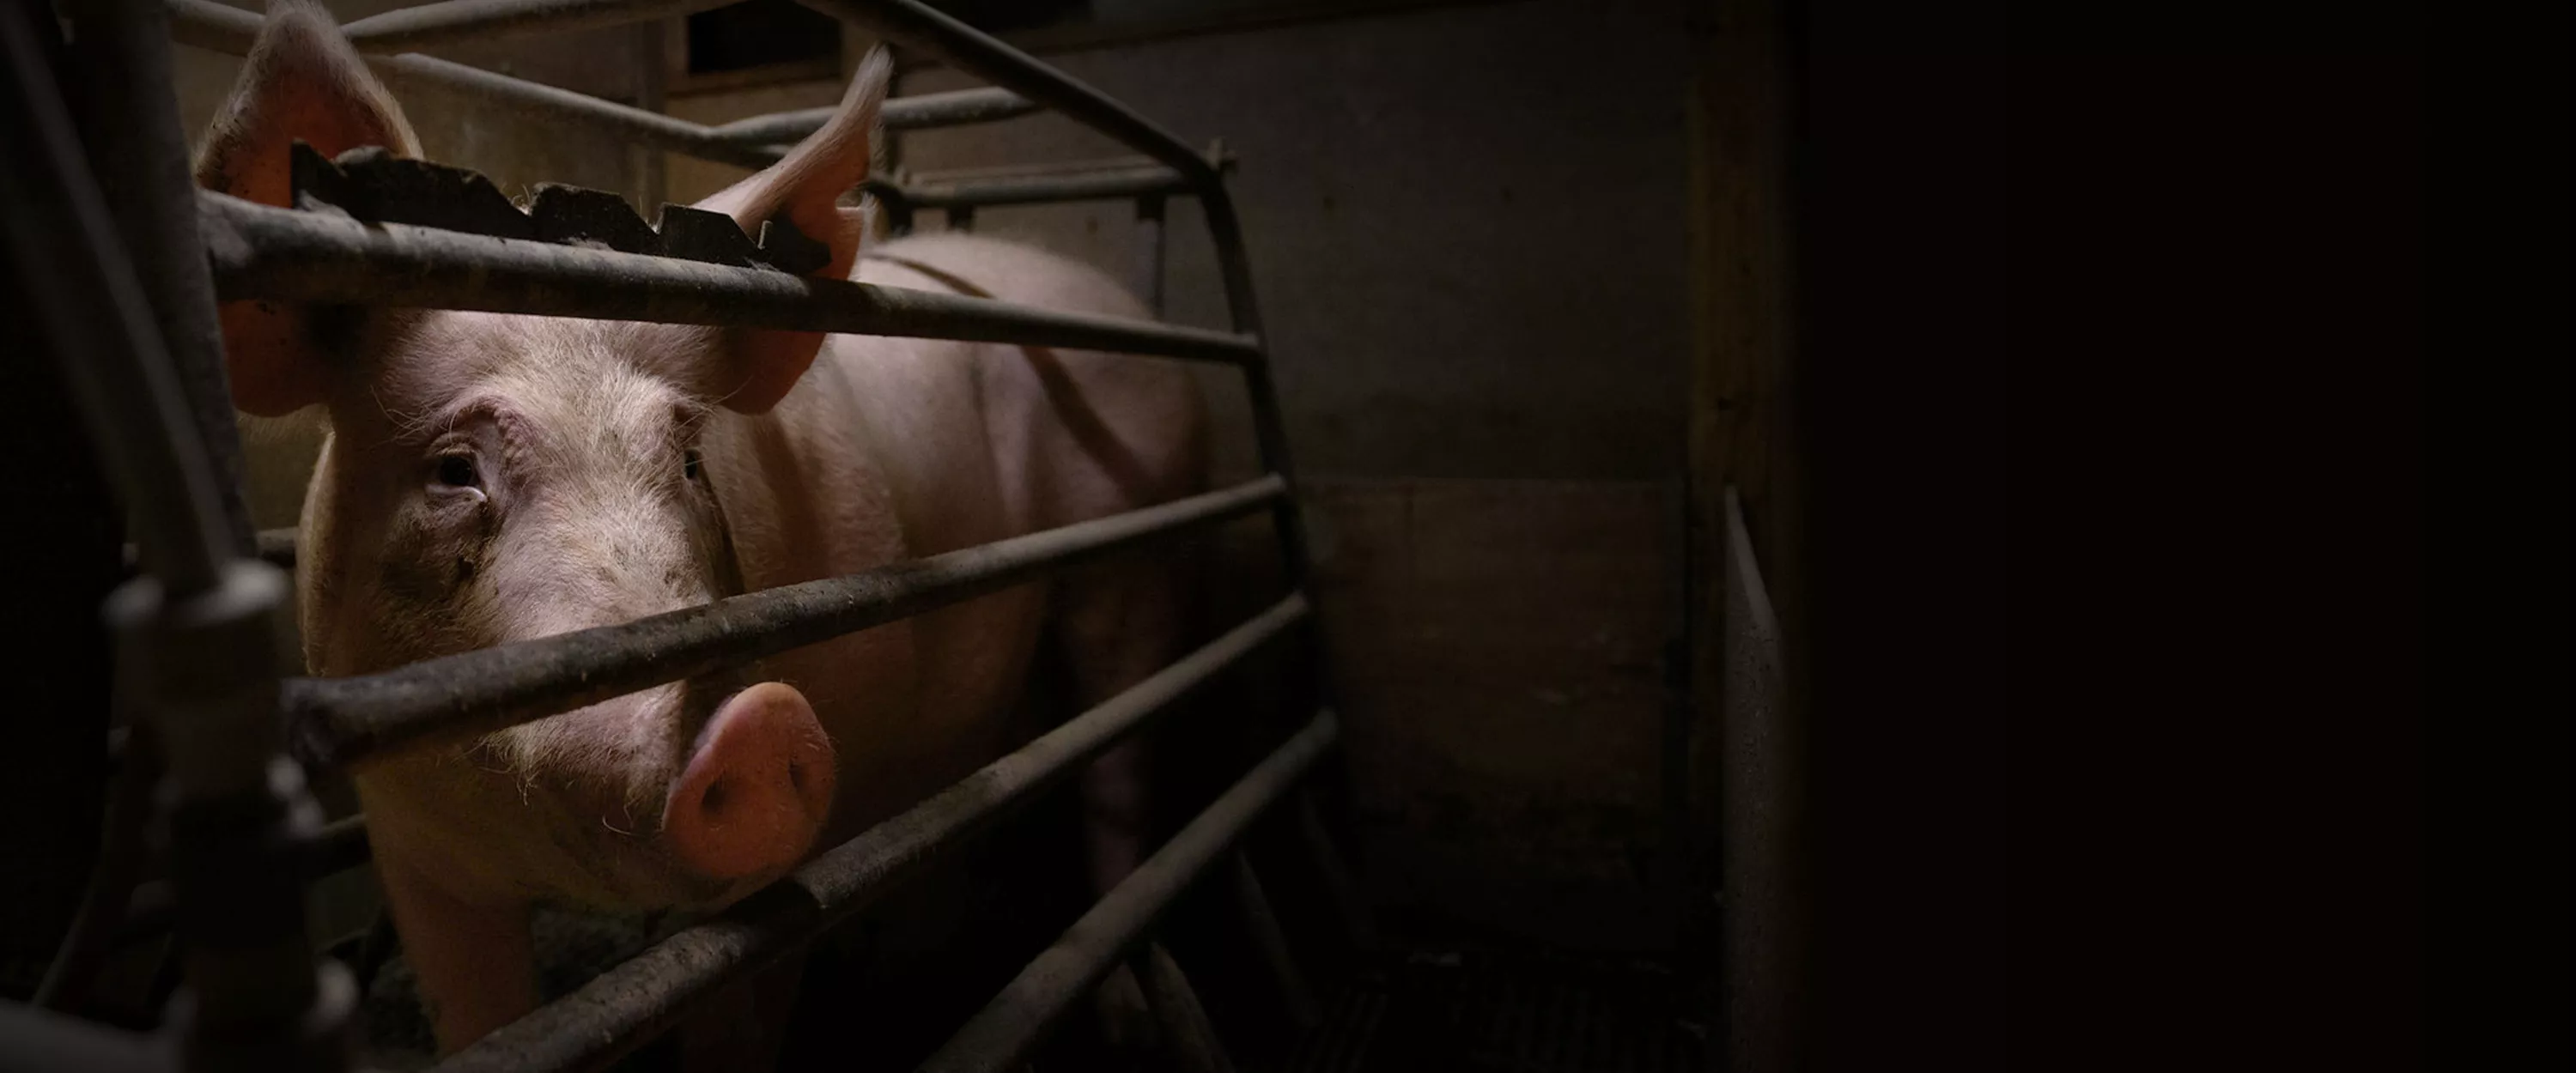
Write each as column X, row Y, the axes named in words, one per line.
column 474, row 957
column 1119, row 622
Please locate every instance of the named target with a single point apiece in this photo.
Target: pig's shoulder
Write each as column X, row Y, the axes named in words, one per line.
column 990, row 267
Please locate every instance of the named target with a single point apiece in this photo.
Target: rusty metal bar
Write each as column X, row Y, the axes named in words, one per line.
column 627, row 1005
column 922, row 111
column 1000, row 1037
column 336, row 720
column 917, row 26
column 271, row 253
column 460, row 21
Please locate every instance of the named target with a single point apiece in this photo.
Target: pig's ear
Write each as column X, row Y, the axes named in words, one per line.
column 760, row 364
column 302, row 81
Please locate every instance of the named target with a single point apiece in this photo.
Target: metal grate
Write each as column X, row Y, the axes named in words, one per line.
column 1520, row 1013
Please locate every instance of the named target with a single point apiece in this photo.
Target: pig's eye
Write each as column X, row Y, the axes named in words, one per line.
column 457, row 471
column 689, row 464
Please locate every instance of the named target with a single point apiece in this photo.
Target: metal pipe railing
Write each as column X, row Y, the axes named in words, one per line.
column 284, row 254
column 455, row 22
column 1073, row 183
column 1001, row 1036
column 750, row 143
column 628, row 1004
column 916, row 25
column 922, row 111
column 337, row 720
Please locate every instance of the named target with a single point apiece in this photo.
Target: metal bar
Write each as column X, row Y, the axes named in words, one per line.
column 1763, row 927
column 646, row 127
column 625, row 1006
column 1105, row 185
column 221, row 28
column 272, row 253
column 96, row 319
column 1001, row 1036
column 120, row 60
column 460, row 21
column 923, row 111
column 750, row 143
column 1254, row 904
column 917, row 26
column 337, row 720
column 1189, row 1037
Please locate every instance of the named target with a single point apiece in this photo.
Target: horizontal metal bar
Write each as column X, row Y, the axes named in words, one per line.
column 1101, row 185
column 923, row 111
column 1001, row 1036
column 263, row 252
column 333, row 721
column 459, row 21
column 628, row 1004
column 917, row 26
column 750, row 143
column 221, row 28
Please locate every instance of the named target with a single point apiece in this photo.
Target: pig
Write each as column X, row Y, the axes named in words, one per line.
column 494, row 478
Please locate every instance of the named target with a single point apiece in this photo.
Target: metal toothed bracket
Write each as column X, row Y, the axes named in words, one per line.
column 375, row 186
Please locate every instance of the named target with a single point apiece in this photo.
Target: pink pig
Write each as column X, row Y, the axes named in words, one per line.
column 493, row 478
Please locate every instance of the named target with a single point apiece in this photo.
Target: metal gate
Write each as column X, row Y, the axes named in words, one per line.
column 125, row 296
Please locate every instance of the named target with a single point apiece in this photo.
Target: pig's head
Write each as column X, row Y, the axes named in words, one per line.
column 493, row 478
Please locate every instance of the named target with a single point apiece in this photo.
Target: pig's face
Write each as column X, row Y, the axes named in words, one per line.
column 502, row 479
column 493, row 479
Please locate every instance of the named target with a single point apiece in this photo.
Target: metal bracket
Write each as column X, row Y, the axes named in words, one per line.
column 375, row 186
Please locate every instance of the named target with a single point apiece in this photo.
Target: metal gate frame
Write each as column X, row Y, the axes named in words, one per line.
column 125, row 293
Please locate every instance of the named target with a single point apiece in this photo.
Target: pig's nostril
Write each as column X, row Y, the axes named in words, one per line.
column 756, row 791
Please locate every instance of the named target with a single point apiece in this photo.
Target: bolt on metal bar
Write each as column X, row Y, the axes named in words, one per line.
column 460, row 21
column 265, row 252
column 1001, row 1036
column 336, row 720
column 922, row 111
column 625, row 1006
column 917, row 26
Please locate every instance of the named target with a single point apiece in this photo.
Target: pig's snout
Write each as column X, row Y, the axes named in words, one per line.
column 756, row 791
